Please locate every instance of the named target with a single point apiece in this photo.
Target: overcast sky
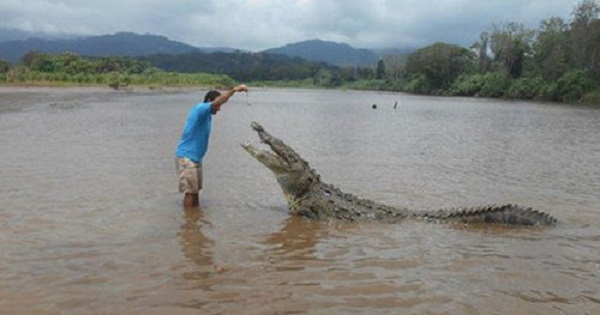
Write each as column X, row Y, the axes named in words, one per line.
column 261, row 24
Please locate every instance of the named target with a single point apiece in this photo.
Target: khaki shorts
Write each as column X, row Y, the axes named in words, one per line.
column 190, row 175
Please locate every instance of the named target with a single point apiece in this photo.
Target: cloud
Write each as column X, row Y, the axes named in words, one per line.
column 262, row 24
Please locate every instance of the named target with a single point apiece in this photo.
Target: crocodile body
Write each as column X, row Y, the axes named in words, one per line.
column 308, row 196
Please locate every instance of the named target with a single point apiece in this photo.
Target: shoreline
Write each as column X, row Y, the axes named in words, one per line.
column 19, row 97
column 14, row 104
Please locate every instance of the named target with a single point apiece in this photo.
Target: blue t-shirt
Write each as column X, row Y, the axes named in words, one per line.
column 194, row 140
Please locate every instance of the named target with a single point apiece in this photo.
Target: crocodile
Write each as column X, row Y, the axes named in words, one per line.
column 307, row 195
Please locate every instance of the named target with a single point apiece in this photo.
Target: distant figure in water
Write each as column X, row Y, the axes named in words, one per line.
column 395, row 104
column 374, row 106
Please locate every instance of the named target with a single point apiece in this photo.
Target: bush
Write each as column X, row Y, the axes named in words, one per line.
column 467, row 85
column 117, row 80
column 548, row 92
column 16, row 74
column 418, row 85
column 592, row 98
column 571, row 86
column 494, row 85
column 525, row 88
column 371, row 85
column 4, row 66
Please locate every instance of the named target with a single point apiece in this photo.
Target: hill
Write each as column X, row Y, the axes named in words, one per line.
column 16, row 34
column 131, row 44
column 337, row 54
column 119, row 44
column 242, row 66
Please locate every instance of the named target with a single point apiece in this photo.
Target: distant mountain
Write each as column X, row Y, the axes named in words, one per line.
column 395, row 51
column 337, row 54
column 15, row 43
column 15, row 34
column 119, row 44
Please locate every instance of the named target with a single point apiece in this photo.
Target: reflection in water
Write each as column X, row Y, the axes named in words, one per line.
column 195, row 245
column 297, row 238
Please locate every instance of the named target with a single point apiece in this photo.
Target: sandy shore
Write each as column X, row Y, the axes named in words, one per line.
column 16, row 98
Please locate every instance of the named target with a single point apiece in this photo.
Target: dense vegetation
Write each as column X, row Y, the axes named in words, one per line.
column 116, row 72
column 558, row 62
column 239, row 65
column 214, row 69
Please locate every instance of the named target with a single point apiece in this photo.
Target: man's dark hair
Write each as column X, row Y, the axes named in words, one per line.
column 211, row 96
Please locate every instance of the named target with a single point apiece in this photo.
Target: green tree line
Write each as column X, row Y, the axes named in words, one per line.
column 263, row 68
column 560, row 61
column 116, row 72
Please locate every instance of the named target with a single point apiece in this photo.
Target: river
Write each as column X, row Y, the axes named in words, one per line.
column 91, row 221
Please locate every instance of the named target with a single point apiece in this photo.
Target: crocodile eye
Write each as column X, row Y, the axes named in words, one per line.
column 307, row 213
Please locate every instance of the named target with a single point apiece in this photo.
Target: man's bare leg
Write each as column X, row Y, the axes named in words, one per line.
column 190, row 200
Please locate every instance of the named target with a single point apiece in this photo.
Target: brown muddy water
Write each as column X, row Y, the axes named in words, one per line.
column 91, row 221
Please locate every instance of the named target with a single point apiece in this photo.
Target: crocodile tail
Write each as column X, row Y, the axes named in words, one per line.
column 505, row 214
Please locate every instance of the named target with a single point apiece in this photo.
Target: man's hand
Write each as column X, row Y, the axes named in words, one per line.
column 240, row 88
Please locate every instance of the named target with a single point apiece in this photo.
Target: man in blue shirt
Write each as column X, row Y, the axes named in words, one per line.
column 194, row 143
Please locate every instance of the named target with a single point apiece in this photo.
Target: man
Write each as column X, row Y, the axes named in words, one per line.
column 194, row 143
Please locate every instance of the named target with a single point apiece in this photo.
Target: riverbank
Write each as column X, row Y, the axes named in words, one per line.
column 9, row 103
column 21, row 97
